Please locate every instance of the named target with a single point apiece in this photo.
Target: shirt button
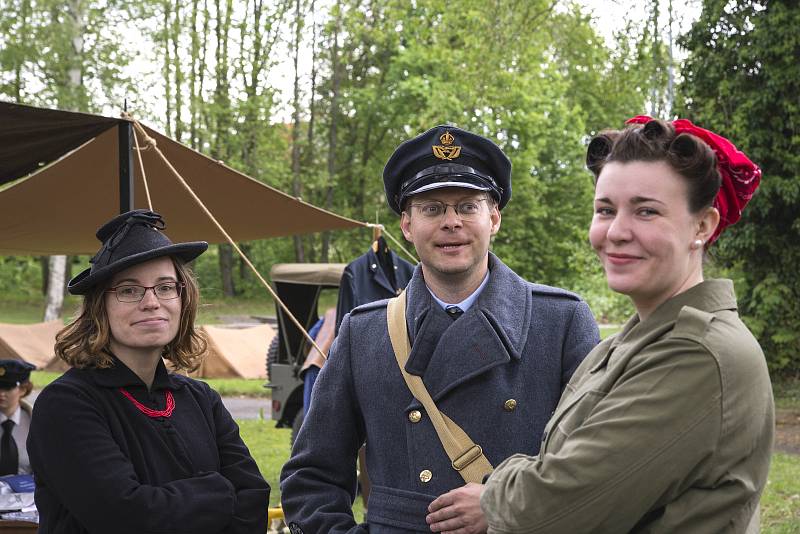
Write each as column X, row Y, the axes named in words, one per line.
column 510, row 405
column 415, row 416
column 425, row 476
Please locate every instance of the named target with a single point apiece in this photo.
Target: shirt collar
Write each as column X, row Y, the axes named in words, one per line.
column 467, row 303
column 14, row 416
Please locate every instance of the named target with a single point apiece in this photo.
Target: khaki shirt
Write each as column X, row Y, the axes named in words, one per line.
column 665, row 427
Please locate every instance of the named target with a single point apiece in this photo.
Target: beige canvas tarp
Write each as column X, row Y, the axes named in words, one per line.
column 236, row 352
column 32, row 343
column 58, row 208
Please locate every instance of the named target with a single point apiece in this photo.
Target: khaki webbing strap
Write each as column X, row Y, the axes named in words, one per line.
column 465, row 456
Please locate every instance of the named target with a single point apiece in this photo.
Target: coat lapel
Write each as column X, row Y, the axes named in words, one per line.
column 377, row 272
column 492, row 332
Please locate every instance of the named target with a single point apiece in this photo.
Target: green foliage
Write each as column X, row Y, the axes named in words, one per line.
column 384, row 71
column 742, row 80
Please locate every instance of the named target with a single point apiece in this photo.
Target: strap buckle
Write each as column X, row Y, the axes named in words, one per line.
column 467, row 457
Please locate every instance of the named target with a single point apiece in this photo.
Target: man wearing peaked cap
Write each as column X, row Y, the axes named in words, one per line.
column 492, row 350
column 15, row 416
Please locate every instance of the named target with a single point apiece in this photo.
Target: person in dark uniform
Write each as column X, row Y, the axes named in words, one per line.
column 118, row 443
column 15, row 416
column 493, row 351
column 375, row 275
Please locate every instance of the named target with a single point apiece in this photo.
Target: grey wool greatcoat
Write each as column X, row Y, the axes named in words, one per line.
column 518, row 341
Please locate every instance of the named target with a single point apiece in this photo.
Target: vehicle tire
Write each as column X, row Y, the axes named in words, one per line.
column 296, row 424
column 272, row 355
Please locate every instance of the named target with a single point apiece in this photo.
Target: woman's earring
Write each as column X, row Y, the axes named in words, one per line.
column 698, row 243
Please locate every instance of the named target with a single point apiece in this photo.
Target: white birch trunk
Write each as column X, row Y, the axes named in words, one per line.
column 55, row 287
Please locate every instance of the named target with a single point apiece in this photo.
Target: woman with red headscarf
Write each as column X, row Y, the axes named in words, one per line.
column 666, row 426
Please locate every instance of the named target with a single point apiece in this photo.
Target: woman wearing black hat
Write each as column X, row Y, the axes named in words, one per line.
column 15, row 416
column 117, row 443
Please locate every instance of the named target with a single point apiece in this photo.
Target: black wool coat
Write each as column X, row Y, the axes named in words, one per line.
column 102, row 466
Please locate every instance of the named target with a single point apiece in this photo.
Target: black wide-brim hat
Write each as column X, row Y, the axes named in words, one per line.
column 129, row 239
column 446, row 156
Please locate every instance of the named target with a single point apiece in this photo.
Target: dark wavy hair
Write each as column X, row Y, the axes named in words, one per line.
column 85, row 341
column 656, row 141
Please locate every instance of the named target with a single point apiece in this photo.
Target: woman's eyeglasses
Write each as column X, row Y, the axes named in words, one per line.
column 134, row 293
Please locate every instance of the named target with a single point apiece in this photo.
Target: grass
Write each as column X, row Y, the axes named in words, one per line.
column 780, row 503
column 270, row 449
column 607, row 330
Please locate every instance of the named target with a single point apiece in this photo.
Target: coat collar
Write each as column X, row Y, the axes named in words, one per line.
column 119, row 376
column 492, row 332
column 374, row 266
column 710, row 296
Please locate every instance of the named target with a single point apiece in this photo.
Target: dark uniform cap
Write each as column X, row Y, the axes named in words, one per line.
column 446, row 156
column 129, row 239
column 14, row 372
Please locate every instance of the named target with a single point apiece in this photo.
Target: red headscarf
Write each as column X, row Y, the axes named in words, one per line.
column 740, row 176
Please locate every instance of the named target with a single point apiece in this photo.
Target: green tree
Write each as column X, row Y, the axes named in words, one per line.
column 742, row 79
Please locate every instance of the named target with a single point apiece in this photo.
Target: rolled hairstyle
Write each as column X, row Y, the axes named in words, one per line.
column 656, row 141
column 85, row 342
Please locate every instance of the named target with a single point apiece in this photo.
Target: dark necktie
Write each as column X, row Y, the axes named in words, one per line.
column 9, row 455
column 454, row 312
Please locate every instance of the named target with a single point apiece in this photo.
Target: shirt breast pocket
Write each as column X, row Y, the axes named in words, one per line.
column 572, row 418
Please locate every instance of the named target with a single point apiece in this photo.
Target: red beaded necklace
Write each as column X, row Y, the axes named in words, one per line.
column 149, row 412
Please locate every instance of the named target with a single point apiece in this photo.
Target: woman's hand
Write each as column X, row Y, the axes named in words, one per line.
column 458, row 511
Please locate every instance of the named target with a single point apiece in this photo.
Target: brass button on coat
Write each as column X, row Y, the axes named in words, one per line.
column 415, row 416
column 425, row 476
column 510, row 405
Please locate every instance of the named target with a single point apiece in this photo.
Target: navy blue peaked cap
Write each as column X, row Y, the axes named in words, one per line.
column 14, row 372
column 446, row 156
column 129, row 239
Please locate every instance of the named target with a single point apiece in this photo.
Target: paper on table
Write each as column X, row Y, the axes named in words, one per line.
column 15, row 501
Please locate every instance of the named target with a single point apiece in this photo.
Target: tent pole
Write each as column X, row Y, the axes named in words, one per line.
column 125, row 167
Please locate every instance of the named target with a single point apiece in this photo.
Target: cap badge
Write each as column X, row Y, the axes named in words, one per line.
column 446, row 150
column 2, row 371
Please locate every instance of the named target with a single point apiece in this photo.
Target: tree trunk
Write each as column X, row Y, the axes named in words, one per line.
column 226, row 270
column 175, row 38
column 167, row 68
column 335, row 71
column 297, row 186
column 222, row 119
column 57, row 265
column 55, row 287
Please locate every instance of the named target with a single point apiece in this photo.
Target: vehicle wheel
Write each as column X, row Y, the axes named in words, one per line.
column 296, row 424
column 272, row 355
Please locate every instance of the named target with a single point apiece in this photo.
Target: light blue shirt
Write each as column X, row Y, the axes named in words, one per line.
column 467, row 302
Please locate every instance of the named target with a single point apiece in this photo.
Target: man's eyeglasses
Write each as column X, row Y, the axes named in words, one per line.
column 133, row 293
column 434, row 209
